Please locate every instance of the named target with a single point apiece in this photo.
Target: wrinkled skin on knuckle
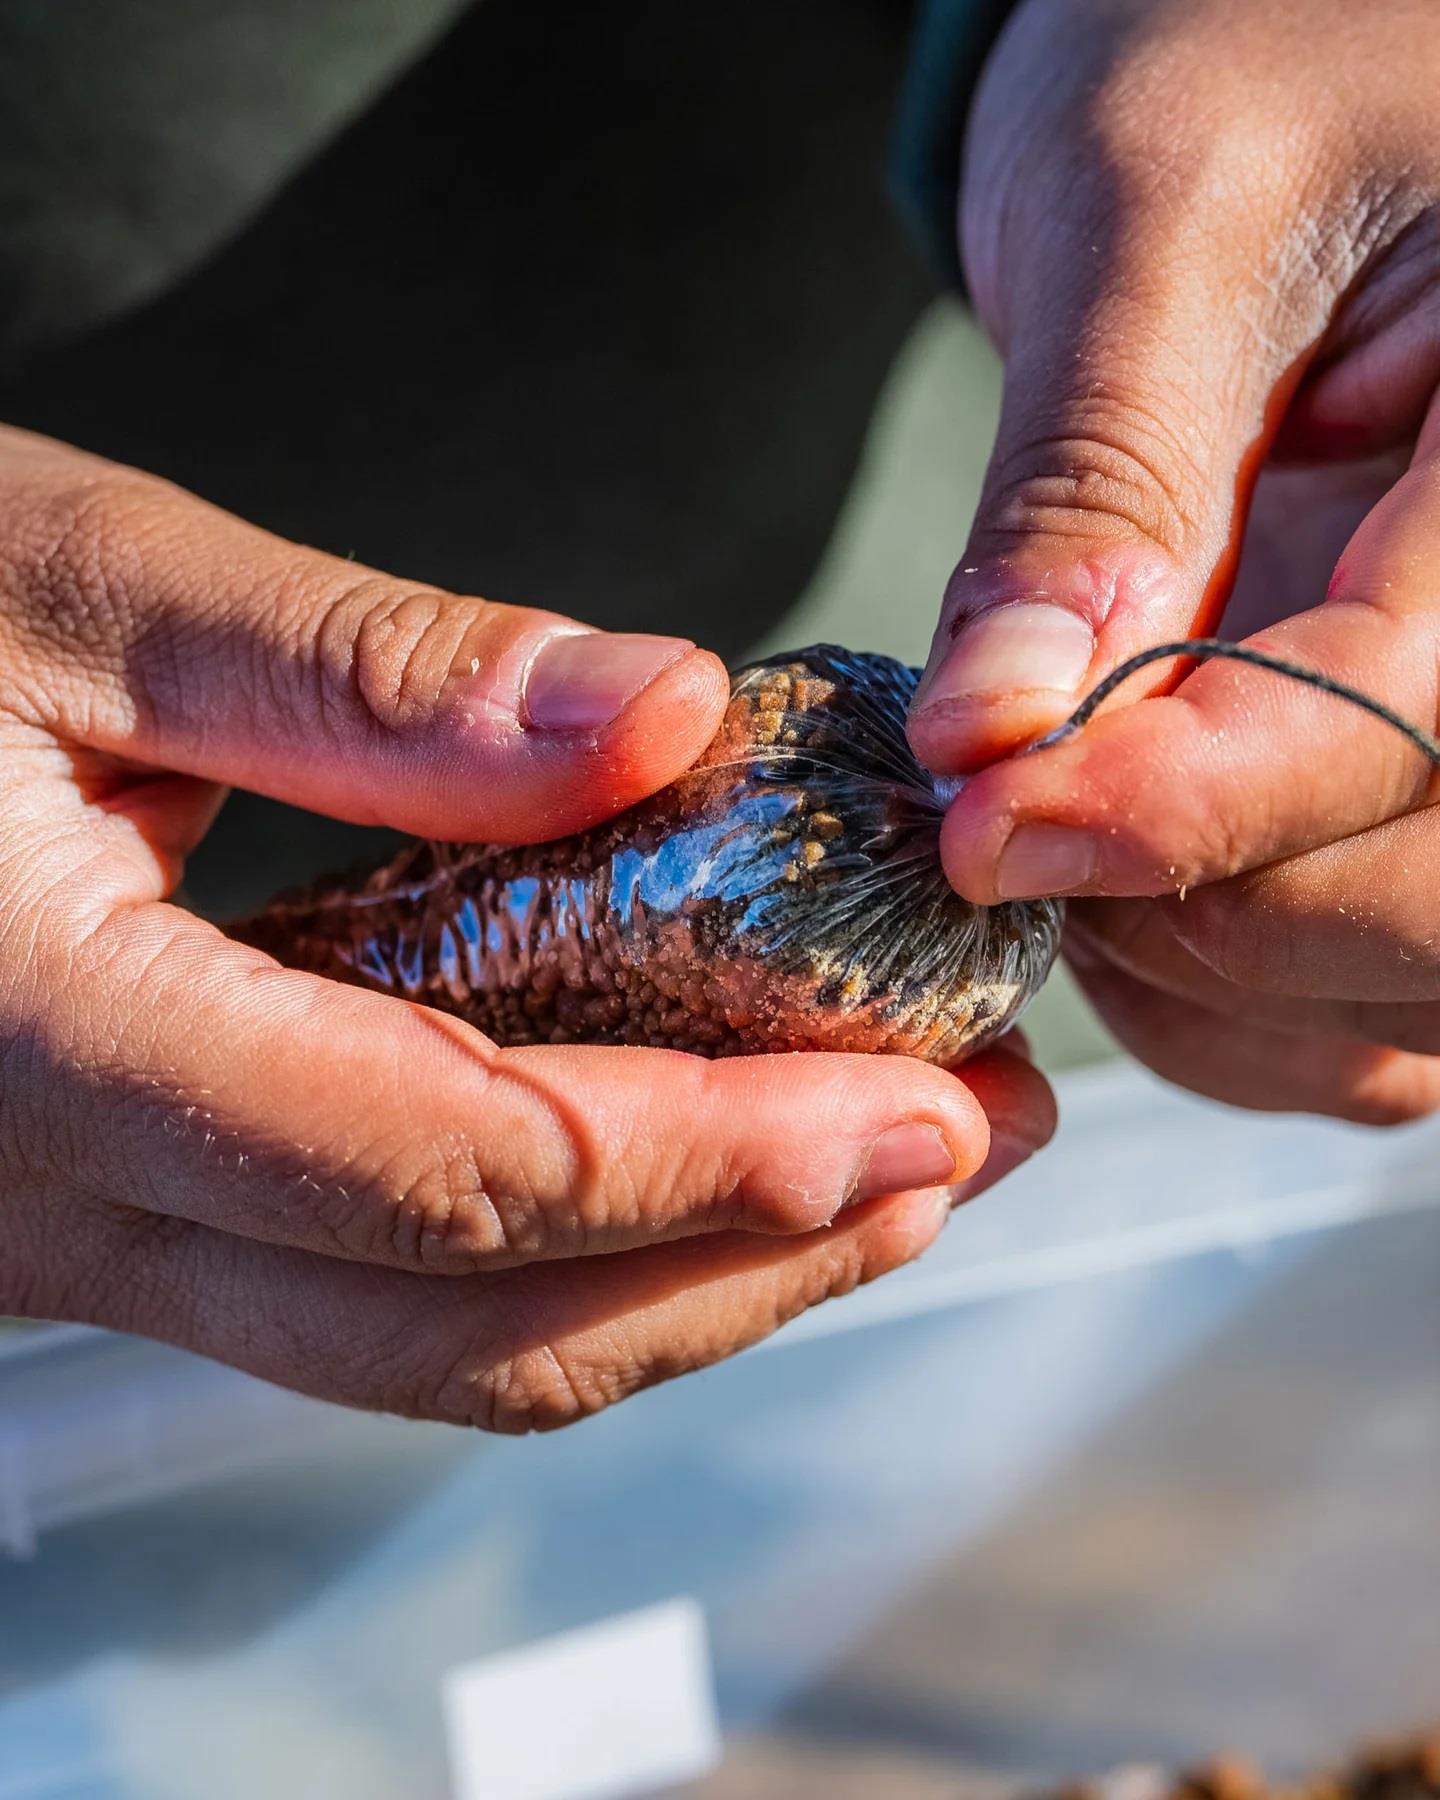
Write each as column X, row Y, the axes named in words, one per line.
column 1095, row 480
column 650, row 1186
column 403, row 1224
column 450, row 1218
column 746, row 1185
column 550, row 1388
column 685, row 1159
column 395, row 657
column 477, row 1353
column 605, row 1164
column 465, row 1221
column 765, row 1178
column 519, row 1389
column 771, row 1205
column 391, row 647
column 429, row 1212
column 531, row 1372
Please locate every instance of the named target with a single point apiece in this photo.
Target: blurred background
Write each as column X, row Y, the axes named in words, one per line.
column 608, row 309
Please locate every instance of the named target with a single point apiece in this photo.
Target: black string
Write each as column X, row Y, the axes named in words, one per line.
column 1202, row 650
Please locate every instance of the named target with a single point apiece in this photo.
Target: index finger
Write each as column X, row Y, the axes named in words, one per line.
column 1238, row 767
column 141, row 622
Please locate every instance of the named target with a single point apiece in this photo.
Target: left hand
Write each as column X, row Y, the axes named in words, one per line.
column 336, row 1189
column 1206, row 236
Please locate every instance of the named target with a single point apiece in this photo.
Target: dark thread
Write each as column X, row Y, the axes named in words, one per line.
column 1202, row 650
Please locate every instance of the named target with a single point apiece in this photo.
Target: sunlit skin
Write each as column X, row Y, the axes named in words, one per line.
column 1205, row 235
column 333, row 1188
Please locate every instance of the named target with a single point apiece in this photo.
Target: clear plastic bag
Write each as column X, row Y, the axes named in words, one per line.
column 784, row 894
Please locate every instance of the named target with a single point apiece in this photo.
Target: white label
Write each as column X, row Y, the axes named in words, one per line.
column 615, row 1710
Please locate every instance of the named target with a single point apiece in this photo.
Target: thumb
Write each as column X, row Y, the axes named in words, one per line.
column 1145, row 370
column 143, row 623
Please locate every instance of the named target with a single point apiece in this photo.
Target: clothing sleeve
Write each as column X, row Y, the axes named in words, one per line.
column 950, row 42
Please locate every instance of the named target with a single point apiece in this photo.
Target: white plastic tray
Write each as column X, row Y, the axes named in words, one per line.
column 1144, row 1457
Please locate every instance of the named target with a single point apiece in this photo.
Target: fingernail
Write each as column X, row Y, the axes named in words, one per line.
column 1045, row 859
column 583, row 680
column 906, row 1156
column 1019, row 648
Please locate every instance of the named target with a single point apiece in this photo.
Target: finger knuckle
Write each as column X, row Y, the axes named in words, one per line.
column 774, row 1208
column 750, row 1191
column 390, row 652
column 533, row 1388
column 440, row 1218
column 747, row 1178
column 1095, row 479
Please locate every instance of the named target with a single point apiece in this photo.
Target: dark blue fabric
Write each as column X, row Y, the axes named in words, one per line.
column 951, row 41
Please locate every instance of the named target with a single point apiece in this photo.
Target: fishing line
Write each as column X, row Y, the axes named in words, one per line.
column 1204, row 650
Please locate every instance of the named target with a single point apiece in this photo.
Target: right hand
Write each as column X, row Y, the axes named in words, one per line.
column 1206, row 236
column 332, row 1188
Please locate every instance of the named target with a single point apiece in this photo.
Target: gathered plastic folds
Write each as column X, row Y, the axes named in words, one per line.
column 784, row 894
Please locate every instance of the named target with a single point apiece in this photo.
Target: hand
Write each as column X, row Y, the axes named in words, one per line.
column 1206, row 236
column 329, row 1187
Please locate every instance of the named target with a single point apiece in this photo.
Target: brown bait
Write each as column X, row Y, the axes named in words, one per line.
column 785, row 894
